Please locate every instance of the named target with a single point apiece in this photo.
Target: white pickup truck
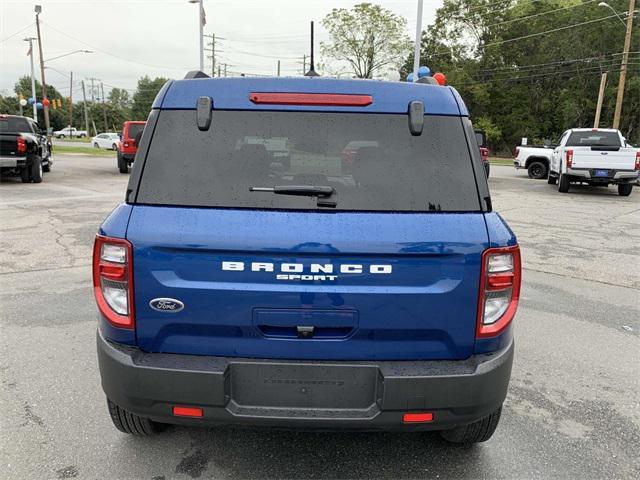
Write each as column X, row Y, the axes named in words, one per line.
column 598, row 157
column 70, row 132
column 535, row 158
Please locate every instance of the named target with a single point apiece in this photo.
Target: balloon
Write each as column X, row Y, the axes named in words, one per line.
column 424, row 71
column 23, row 102
column 440, row 78
column 393, row 76
column 46, row 102
column 39, row 106
column 410, row 77
column 31, row 100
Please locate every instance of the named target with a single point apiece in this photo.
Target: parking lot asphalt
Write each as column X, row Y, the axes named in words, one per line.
column 573, row 409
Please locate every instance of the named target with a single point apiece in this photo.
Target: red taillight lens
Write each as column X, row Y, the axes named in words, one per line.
column 320, row 99
column 500, row 279
column 516, row 152
column 569, row 155
column 113, row 280
column 637, row 167
column 21, row 144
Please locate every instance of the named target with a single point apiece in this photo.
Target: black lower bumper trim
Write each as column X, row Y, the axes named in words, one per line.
column 304, row 394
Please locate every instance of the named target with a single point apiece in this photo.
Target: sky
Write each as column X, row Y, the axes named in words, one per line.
column 130, row 39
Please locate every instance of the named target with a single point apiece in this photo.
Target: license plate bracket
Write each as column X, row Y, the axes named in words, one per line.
column 601, row 173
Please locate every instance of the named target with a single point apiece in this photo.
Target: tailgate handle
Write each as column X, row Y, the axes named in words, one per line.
column 305, row 332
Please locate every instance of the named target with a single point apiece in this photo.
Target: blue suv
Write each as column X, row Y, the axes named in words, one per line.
column 307, row 253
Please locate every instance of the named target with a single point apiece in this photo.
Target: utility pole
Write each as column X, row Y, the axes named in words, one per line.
column 86, row 115
column 278, row 67
column 219, row 70
column 225, row 69
column 212, row 44
column 44, row 83
column 104, row 108
column 93, row 98
column 603, row 82
column 71, row 103
column 304, row 64
column 416, row 50
column 33, row 79
column 623, row 66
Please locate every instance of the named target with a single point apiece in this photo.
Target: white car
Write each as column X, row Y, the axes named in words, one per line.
column 598, row 156
column 106, row 140
column 70, row 132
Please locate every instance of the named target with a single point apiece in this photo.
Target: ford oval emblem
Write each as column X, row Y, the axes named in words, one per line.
column 166, row 305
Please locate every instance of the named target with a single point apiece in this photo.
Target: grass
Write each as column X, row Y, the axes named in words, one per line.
column 74, row 140
column 501, row 161
column 96, row 152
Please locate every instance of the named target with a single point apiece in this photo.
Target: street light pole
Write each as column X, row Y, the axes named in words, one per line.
column 623, row 66
column 33, row 79
column 201, row 23
column 416, row 51
column 38, row 10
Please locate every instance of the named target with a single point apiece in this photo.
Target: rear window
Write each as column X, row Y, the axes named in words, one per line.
column 371, row 160
column 593, row 139
column 135, row 129
column 9, row 124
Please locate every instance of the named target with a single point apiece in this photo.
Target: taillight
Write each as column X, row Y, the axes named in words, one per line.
column 113, row 280
column 500, row 279
column 569, row 157
column 516, row 152
column 637, row 167
column 21, row 144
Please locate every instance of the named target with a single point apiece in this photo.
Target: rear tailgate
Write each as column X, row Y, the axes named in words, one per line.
column 603, row 157
column 404, row 286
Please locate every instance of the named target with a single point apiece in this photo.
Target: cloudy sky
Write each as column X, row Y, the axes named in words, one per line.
column 132, row 38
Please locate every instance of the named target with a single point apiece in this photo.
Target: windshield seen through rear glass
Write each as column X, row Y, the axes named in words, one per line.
column 370, row 160
column 12, row 124
column 593, row 139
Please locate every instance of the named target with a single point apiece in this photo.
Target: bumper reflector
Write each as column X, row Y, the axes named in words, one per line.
column 423, row 417
column 187, row 412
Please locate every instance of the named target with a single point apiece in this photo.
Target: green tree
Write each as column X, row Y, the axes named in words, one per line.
column 146, row 92
column 367, row 38
column 119, row 98
column 527, row 83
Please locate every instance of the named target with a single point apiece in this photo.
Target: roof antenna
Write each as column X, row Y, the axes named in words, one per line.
column 312, row 72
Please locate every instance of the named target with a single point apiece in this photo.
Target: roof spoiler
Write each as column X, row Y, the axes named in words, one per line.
column 195, row 74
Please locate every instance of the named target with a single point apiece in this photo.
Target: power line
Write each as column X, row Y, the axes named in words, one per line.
column 16, row 33
column 518, row 19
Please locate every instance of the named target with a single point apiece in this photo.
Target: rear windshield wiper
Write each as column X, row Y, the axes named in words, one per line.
column 326, row 194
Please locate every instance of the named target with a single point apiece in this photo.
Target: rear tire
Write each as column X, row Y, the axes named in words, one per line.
column 114, row 147
column 563, row 183
column 476, row 432
column 25, row 175
column 625, row 189
column 95, row 145
column 131, row 423
column 537, row 170
column 122, row 164
column 36, row 170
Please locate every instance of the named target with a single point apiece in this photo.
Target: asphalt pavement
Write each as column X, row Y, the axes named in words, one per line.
column 573, row 409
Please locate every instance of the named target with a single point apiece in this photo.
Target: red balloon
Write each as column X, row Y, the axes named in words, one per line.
column 440, row 78
column 46, row 102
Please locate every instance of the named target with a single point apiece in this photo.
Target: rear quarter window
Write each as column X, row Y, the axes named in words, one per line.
column 371, row 160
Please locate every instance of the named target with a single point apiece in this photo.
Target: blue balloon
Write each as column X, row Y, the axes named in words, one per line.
column 424, row 72
column 410, row 77
column 31, row 101
column 39, row 106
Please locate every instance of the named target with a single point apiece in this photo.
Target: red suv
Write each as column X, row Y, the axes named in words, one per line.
column 131, row 134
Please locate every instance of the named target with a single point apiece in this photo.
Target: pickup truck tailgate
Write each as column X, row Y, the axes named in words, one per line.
column 598, row 157
column 363, row 285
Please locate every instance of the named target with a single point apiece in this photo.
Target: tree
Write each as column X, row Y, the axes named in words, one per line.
column 525, row 82
column 119, row 98
column 367, row 38
column 143, row 97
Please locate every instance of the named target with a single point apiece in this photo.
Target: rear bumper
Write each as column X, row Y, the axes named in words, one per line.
column 616, row 176
column 304, row 394
column 129, row 157
column 12, row 162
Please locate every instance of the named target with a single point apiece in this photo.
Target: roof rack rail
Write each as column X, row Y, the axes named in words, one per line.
column 196, row 74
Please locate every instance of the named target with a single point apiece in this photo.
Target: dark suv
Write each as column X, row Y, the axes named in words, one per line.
column 258, row 275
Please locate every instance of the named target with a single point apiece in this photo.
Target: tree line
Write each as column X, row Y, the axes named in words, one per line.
column 103, row 116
